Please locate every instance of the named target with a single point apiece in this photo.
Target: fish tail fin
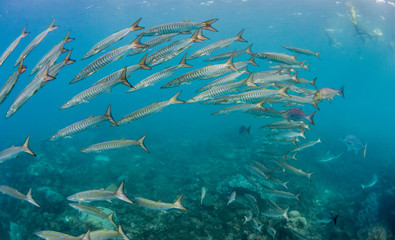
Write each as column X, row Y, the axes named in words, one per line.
column 297, row 196
column 285, row 184
column 302, row 133
column 310, row 117
column 364, row 150
column 196, row 37
column 21, row 67
column 110, row 217
column 178, row 204
column 317, row 54
column 135, row 26
column 183, row 63
column 294, row 156
column 207, row 24
column 294, row 77
column 86, row 236
column 239, row 37
column 248, row 129
column 24, row 33
column 341, row 91
column 109, row 116
column 248, row 50
column 305, row 66
column 200, row 35
column 120, row 194
column 46, row 75
column 141, row 143
column 309, row 175
column 285, row 213
column 315, row 104
column 122, row 234
column 123, row 79
column 137, row 44
column 30, row 199
column 245, row 70
column 229, row 64
column 249, row 82
column 52, row 26
column 67, row 39
column 283, row 91
column 312, row 82
column 335, row 219
column 26, row 147
column 260, row 105
column 252, row 60
column 175, row 99
column 67, row 59
column 142, row 63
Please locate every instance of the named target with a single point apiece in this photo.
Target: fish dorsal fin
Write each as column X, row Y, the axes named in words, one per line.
column 90, row 116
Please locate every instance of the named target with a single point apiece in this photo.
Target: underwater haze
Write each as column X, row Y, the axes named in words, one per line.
column 235, row 182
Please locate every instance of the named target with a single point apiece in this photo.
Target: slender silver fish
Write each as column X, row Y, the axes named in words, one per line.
column 13, row 45
column 116, row 144
column 106, row 59
column 35, row 42
column 203, row 195
column 232, row 197
column 236, row 53
column 9, row 85
column 106, row 234
column 153, row 43
column 96, row 90
column 274, row 214
column 281, row 58
column 14, row 152
column 303, row 51
column 371, row 183
column 112, row 39
column 180, row 27
column 153, row 108
column 293, row 169
column 223, row 80
column 83, row 125
column 93, row 210
column 237, row 108
column 100, row 195
column 52, row 235
column 16, row 194
column 217, row 45
column 158, row 205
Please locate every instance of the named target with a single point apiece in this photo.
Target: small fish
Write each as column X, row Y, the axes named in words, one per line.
column 180, row 27
column 276, row 214
column 248, row 217
column 52, row 235
column 280, row 135
column 232, row 197
column 272, row 232
column 158, row 205
column 280, row 57
column 13, row 152
column 100, row 195
column 293, row 169
column 106, row 234
column 223, row 80
column 116, row 144
column 153, row 43
column 223, row 56
column 83, row 125
column 112, row 39
column 256, row 225
column 257, row 172
column 12, row 46
column 237, row 108
column 304, row 146
column 296, row 114
column 328, row 93
column 9, row 85
column 330, row 157
column 371, row 183
column 325, row 217
column 244, row 130
column 303, row 51
column 203, row 195
column 354, row 143
column 16, row 194
column 94, row 211
column 284, row 124
column 293, row 99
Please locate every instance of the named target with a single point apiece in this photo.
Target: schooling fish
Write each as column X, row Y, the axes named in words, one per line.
column 354, row 143
column 296, row 114
column 100, row 195
column 328, row 93
column 371, row 183
column 180, row 27
column 223, row 80
column 14, row 152
column 203, row 195
column 274, row 214
column 223, row 56
column 330, row 157
column 303, row 51
column 106, row 234
column 112, row 39
column 116, row 144
column 52, row 235
column 13, row 45
column 325, row 217
column 232, row 197
column 9, row 85
column 280, row 57
column 248, row 217
column 94, row 211
column 153, row 43
column 272, row 232
column 293, row 169
column 158, row 205
column 16, row 194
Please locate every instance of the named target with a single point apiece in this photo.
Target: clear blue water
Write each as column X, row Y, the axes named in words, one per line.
column 191, row 149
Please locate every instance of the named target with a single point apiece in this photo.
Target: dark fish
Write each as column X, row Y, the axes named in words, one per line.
column 297, row 114
column 244, row 130
column 325, row 217
column 354, row 143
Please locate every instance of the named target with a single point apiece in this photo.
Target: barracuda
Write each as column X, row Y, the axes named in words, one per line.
column 94, row 211
column 16, row 194
column 12, row 46
column 13, row 151
column 158, row 205
column 236, row 53
column 153, row 43
column 116, row 144
column 223, row 80
column 180, row 27
column 303, row 51
column 9, row 85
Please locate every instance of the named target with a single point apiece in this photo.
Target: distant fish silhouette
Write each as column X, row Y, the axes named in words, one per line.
column 244, row 130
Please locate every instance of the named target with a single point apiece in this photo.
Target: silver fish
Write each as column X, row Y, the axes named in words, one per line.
column 52, row 235
column 293, row 169
column 100, row 195
column 37, row 40
column 116, row 144
column 180, row 27
column 371, row 183
column 223, row 80
column 328, row 93
column 330, row 157
column 203, row 195
column 248, row 217
column 106, row 234
column 107, row 59
column 112, row 39
column 280, row 57
column 14, row 152
column 9, row 85
column 284, row 124
column 153, row 43
column 83, row 125
column 303, row 51
column 16, row 194
column 301, row 147
column 223, row 56
column 94, row 211
column 273, row 214
column 96, row 90
column 13, row 45
column 153, row 108
column 217, row 45
column 232, row 197
column 237, row 108
column 158, row 205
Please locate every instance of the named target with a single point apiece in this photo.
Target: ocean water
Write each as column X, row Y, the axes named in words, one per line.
column 189, row 147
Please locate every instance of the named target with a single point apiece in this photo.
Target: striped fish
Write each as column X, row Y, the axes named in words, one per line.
column 14, row 152
column 12, row 46
column 158, row 205
column 218, row 45
column 96, row 90
column 100, row 195
column 153, row 108
column 83, row 125
column 106, row 234
column 94, row 211
column 281, row 58
column 54, row 70
column 154, row 78
column 106, row 59
column 153, row 43
column 223, row 80
column 180, row 27
column 112, row 39
column 303, row 51
column 236, row 53
column 9, row 85
column 16, row 194
column 237, row 108
column 35, row 42
column 273, row 214
column 116, row 144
